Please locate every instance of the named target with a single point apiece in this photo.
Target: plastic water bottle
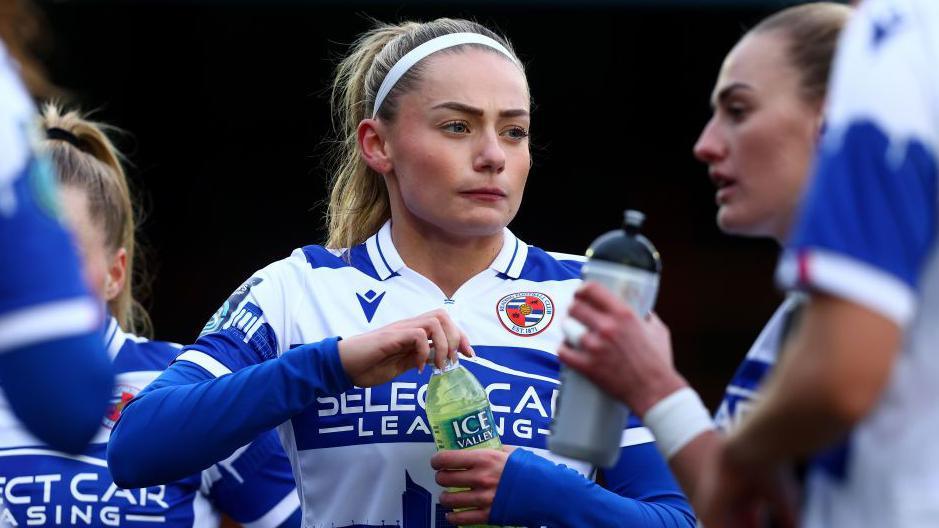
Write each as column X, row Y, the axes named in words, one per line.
column 588, row 423
column 459, row 412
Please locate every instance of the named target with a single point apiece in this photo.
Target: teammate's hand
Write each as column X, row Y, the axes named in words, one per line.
column 624, row 354
column 477, row 469
column 379, row 356
column 730, row 495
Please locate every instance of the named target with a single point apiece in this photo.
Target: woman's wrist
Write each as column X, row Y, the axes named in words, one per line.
column 655, row 390
column 676, row 420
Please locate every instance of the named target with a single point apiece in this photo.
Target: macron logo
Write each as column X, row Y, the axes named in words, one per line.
column 369, row 303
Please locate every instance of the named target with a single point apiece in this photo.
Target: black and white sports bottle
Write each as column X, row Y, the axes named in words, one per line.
column 588, row 423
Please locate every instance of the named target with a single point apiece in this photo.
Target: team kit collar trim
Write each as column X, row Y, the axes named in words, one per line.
column 387, row 262
column 431, row 46
column 114, row 337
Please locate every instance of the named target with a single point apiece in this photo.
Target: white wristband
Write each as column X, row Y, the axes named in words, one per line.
column 676, row 420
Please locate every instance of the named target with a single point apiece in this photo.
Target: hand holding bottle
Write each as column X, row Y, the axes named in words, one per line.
column 627, row 356
column 461, row 420
column 379, row 356
column 478, row 471
column 589, row 421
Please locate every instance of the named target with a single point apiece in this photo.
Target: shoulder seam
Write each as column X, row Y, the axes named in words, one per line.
column 566, row 256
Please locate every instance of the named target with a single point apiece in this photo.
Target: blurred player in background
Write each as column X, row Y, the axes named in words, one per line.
column 433, row 162
column 254, row 485
column 859, row 379
column 759, row 144
column 55, row 375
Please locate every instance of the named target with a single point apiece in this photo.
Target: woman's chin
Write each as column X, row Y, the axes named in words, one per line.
column 479, row 221
column 732, row 222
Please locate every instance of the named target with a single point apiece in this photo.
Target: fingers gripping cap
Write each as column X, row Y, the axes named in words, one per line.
column 448, row 364
column 431, row 46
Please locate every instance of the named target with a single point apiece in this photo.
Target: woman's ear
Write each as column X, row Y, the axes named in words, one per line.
column 117, row 275
column 370, row 135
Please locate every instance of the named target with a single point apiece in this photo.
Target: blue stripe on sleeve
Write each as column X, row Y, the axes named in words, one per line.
column 228, row 346
column 874, row 201
column 202, row 420
column 534, row 491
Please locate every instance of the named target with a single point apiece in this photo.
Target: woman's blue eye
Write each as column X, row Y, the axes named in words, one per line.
column 517, row 133
column 457, row 127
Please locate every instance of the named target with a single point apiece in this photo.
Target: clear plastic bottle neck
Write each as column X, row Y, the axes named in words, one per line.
column 448, row 365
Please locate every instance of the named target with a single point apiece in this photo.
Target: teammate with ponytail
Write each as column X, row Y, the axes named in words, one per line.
column 253, row 485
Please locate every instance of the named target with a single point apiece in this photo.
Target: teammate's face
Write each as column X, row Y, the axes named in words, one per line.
column 97, row 261
column 458, row 147
column 759, row 142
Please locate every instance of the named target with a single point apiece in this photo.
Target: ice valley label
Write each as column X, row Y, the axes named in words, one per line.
column 470, row 430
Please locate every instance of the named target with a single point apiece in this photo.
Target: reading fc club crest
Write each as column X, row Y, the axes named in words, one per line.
column 122, row 396
column 525, row 313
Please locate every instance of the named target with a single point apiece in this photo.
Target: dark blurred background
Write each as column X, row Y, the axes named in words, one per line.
column 225, row 105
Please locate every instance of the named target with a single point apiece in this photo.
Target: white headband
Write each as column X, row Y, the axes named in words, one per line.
column 431, row 46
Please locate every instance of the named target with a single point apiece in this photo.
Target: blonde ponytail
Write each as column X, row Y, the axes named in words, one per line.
column 92, row 164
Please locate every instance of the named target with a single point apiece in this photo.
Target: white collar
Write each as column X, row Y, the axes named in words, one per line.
column 387, row 261
column 114, row 337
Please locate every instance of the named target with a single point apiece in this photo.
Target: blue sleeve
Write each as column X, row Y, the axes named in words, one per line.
column 59, row 389
column 534, row 491
column 200, row 420
column 39, row 263
column 53, row 366
column 257, row 483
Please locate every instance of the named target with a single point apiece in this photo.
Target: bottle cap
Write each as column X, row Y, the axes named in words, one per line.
column 448, row 364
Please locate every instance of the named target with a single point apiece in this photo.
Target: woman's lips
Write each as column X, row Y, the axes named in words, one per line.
column 725, row 193
column 726, row 187
column 484, row 194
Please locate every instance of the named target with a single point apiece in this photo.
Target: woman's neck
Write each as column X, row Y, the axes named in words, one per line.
column 445, row 259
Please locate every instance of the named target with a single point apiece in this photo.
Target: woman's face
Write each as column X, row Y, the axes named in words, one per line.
column 458, row 147
column 760, row 140
column 98, row 263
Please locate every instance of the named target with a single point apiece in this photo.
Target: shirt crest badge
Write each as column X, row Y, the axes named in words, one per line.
column 525, row 313
column 121, row 397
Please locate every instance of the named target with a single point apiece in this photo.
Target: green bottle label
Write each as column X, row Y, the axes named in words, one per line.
column 474, row 429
